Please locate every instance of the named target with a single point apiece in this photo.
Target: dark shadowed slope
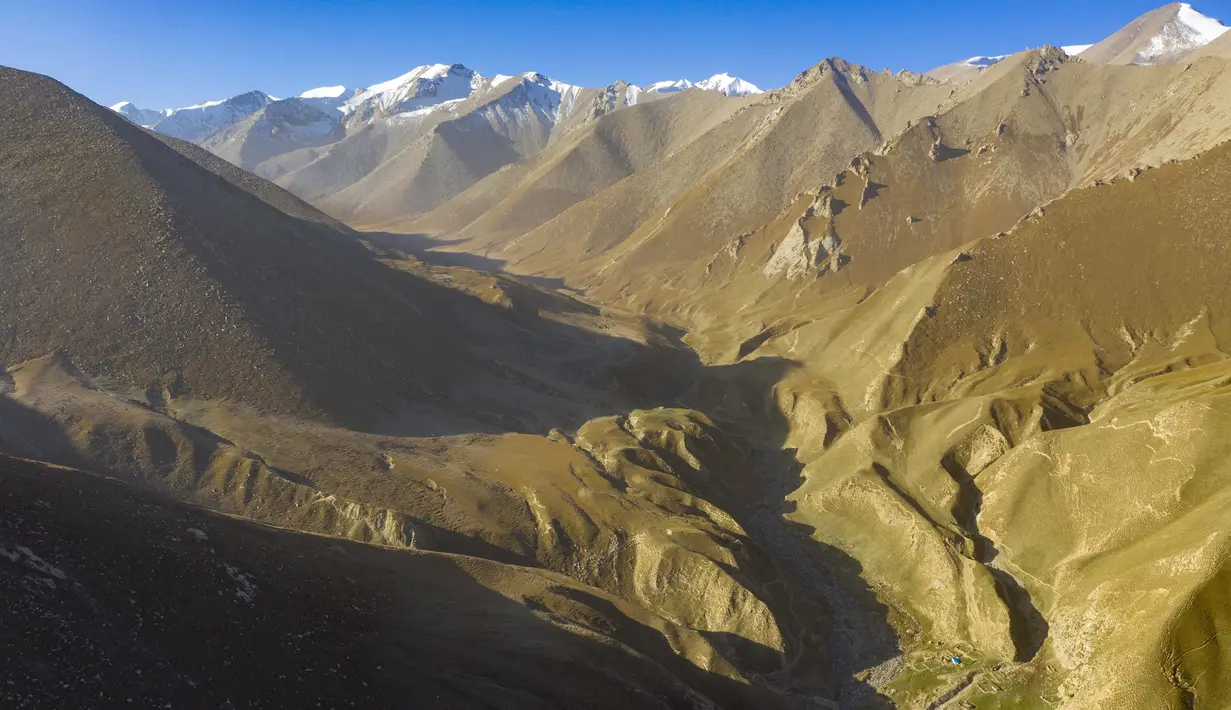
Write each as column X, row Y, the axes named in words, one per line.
column 116, row 597
column 140, row 263
column 148, row 260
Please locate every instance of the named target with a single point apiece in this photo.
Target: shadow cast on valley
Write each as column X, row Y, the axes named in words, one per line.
column 833, row 620
column 375, row 348
column 429, row 250
column 832, row 624
column 1027, row 626
column 402, row 350
column 317, row 620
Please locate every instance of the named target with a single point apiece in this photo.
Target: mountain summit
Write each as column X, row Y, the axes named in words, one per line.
column 364, row 150
column 724, row 84
column 198, row 122
column 1167, row 34
column 1161, row 36
column 422, row 88
column 729, row 85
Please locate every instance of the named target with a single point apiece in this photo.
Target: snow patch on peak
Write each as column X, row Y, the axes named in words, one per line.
column 326, row 98
column 563, row 91
column 722, row 83
column 324, row 92
column 197, row 122
column 418, row 88
column 984, row 62
column 561, row 87
column 729, row 85
column 413, row 115
column 203, row 104
column 140, row 116
column 548, row 98
column 1190, row 30
column 1075, row 49
column 1206, row 28
column 430, row 71
column 668, row 87
column 439, row 71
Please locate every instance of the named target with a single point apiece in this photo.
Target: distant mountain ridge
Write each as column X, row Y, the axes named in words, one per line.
column 200, row 121
column 421, row 87
column 722, row 83
column 369, row 147
column 1168, row 34
column 403, row 147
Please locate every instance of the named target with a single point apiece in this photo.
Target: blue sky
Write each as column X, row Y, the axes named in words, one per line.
column 174, row 53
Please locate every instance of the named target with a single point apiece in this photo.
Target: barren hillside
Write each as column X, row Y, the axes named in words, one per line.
column 876, row 390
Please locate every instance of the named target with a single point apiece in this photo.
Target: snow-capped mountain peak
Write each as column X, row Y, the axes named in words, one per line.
column 1189, row 30
column 557, row 87
column 984, row 62
column 326, row 98
column 722, row 83
column 408, row 99
column 1075, row 49
column 199, row 121
column 324, row 92
column 669, row 87
column 1160, row 36
column 511, row 99
column 729, row 85
column 419, row 88
column 140, row 116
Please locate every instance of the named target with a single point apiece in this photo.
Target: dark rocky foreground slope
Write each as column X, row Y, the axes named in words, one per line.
column 115, row 597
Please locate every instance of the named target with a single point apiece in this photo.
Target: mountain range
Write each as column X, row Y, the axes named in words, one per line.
column 1168, row 34
column 336, row 142
column 406, row 146
column 874, row 390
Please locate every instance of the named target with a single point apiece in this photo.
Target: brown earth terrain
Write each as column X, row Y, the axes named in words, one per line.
column 873, row 391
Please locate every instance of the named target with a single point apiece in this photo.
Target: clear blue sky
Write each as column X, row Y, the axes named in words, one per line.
column 168, row 53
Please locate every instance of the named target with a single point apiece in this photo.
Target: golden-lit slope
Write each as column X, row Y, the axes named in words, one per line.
column 997, row 352
column 665, row 239
column 579, row 165
column 1031, row 420
column 732, row 178
column 407, row 163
